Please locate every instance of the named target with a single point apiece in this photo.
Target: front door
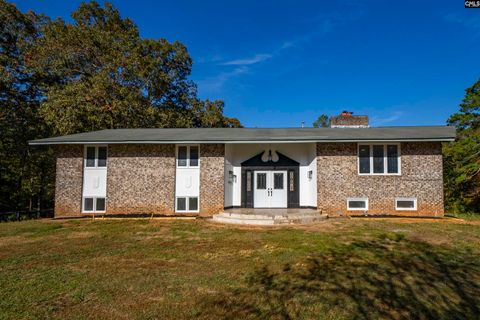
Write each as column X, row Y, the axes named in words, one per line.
column 270, row 189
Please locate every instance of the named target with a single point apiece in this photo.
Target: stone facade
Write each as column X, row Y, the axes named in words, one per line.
column 421, row 177
column 141, row 179
column 69, row 181
column 212, row 191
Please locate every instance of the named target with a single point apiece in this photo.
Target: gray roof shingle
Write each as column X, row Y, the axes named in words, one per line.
column 245, row 135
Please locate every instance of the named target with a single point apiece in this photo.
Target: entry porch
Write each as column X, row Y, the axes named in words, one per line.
column 270, row 176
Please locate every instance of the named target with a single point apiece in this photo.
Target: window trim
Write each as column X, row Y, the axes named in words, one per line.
column 385, row 158
column 94, row 204
column 414, row 199
column 187, row 204
column 188, row 155
column 96, row 146
column 357, row 199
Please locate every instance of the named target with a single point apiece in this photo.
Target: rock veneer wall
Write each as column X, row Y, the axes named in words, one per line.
column 69, row 181
column 141, row 179
column 212, row 189
column 421, row 177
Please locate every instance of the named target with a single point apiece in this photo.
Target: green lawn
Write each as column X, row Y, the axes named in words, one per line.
column 141, row 269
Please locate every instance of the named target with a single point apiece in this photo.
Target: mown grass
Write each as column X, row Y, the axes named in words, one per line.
column 141, row 269
column 466, row 216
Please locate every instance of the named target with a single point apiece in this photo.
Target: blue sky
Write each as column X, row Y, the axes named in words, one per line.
column 278, row 63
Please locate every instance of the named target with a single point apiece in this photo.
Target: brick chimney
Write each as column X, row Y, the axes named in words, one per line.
column 346, row 119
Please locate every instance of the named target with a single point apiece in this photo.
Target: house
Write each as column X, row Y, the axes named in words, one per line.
column 348, row 168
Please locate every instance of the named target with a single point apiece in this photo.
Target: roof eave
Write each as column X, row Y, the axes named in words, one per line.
column 38, row 143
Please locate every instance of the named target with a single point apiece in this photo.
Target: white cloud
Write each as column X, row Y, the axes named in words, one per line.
column 322, row 28
column 323, row 25
column 215, row 83
column 469, row 22
column 379, row 121
column 248, row 61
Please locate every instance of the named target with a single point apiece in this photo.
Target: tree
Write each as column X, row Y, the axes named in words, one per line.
column 95, row 73
column 24, row 173
column 462, row 157
column 322, row 122
column 209, row 114
column 99, row 73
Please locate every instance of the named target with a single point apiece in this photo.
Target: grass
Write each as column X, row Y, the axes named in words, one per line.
column 338, row 269
column 466, row 216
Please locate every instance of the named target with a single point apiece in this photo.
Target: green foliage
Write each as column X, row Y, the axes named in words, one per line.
column 99, row 73
column 322, row 122
column 94, row 73
column 209, row 114
column 25, row 174
column 462, row 157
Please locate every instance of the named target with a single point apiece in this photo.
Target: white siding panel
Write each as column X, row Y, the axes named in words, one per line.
column 95, row 182
column 187, row 183
column 229, row 183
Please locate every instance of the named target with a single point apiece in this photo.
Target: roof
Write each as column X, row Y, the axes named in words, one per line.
column 245, row 135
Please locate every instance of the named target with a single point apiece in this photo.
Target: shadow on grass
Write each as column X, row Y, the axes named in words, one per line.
column 387, row 278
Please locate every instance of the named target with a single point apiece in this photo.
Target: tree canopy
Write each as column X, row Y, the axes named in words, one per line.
column 98, row 72
column 25, row 173
column 462, row 158
column 94, row 73
column 322, row 121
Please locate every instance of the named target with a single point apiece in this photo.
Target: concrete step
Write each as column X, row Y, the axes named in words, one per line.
column 261, row 216
column 271, row 219
column 245, row 221
column 244, row 216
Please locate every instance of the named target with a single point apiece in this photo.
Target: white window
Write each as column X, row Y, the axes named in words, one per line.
column 188, row 156
column 408, row 204
column 379, row 159
column 186, row 204
column 93, row 204
column 95, row 156
column 357, row 204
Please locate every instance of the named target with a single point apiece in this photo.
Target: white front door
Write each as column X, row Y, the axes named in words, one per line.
column 261, row 194
column 278, row 189
column 270, row 189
